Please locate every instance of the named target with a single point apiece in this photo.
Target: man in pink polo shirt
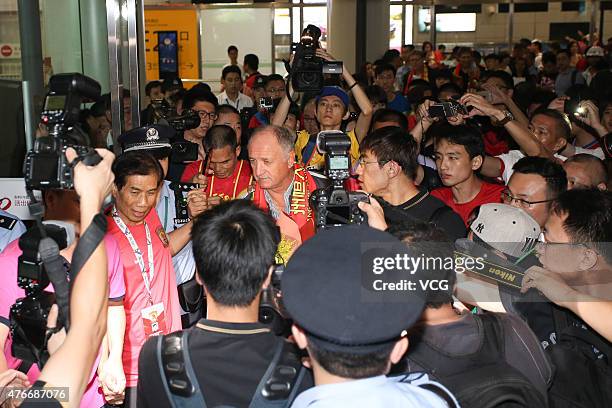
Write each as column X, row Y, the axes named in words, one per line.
column 61, row 205
column 151, row 298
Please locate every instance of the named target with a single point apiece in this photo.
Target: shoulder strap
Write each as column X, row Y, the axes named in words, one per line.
column 493, row 330
column 280, row 383
column 176, row 371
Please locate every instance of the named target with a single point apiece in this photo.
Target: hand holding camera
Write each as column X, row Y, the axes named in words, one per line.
column 481, row 107
column 93, row 183
column 375, row 213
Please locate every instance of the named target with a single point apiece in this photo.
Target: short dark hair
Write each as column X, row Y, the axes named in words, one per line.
column 552, row 172
column 492, row 56
column 450, row 87
column 252, row 61
column 384, row 67
column 588, row 218
column 503, row 75
column 351, row 365
column 464, row 135
column 549, row 57
column 234, row 245
column 392, row 143
column 390, row 55
column 561, row 120
column 149, row 87
column 136, row 163
column 191, row 97
column 219, row 136
column 229, row 69
column 376, row 94
column 565, row 51
column 274, row 77
column 464, row 50
column 390, row 115
column 232, row 48
column 225, row 109
column 428, row 239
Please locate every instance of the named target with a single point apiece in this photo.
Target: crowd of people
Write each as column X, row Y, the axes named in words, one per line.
column 168, row 310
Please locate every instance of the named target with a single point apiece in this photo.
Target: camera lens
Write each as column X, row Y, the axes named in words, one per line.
column 309, row 77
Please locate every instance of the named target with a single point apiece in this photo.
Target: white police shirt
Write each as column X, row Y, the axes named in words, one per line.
column 183, row 262
column 11, row 228
column 372, row 392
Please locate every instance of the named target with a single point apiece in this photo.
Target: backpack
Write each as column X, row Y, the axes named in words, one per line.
column 482, row 379
column 581, row 379
column 277, row 388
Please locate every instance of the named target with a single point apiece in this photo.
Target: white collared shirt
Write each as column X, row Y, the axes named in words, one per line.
column 241, row 102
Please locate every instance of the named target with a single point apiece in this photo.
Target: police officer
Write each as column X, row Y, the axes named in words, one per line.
column 156, row 140
column 11, row 228
column 352, row 334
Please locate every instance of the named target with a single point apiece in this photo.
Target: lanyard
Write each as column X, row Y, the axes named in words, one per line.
column 147, row 278
column 165, row 213
column 212, row 181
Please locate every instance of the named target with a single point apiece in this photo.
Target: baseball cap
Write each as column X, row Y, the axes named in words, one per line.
column 595, row 51
column 334, row 91
column 260, row 81
column 153, row 138
column 171, row 83
column 508, row 229
column 323, row 291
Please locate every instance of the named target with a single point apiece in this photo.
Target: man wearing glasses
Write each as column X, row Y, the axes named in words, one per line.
column 535, row 183
column 205, row 104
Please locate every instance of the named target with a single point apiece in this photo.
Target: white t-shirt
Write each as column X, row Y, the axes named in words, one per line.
column 242, row 101
column 510, row 158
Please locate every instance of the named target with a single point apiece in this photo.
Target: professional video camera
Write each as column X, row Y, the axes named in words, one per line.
column 165, row 114
column 334, row 206
column 28, row 315
column 46, row 165
column 307, row 69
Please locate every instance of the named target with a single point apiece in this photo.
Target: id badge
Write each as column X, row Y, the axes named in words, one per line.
column 153, row 319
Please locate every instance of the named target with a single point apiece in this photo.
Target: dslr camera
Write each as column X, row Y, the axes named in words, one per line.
column 334, row 206
column 165, row 114
column 46, row 165
column 307, row 69
column 28, row 316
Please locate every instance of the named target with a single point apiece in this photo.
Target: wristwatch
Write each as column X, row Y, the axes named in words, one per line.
column 508, row 116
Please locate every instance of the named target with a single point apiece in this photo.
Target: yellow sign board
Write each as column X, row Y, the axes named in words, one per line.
column 185, row 23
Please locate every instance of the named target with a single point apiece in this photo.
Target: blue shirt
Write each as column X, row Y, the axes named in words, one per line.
column 183, row 262
column 399, row 103
column 11, row 228
column 372, row 392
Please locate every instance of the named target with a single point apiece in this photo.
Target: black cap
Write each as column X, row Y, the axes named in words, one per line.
column 171, row 83
column 154, row 138
column 327, row 291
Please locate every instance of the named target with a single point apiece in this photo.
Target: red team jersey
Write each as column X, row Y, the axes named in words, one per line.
column 228, row 188
column 489, row 193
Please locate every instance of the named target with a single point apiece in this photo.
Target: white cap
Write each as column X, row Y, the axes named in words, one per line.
column 506, row 228
column 595, row 51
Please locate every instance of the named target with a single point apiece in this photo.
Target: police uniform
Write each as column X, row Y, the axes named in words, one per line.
column 11, row 228
column 325, row 291
column 156, row 139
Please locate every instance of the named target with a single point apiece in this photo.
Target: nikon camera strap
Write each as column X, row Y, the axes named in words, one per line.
column 277, row 388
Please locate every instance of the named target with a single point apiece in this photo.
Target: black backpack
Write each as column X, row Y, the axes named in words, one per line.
column 277, row 389
column 582, row 379
column 482, row 379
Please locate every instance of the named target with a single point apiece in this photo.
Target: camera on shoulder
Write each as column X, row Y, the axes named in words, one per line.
column 335, row 206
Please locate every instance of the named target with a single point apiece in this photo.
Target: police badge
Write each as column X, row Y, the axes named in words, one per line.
column 152, row 134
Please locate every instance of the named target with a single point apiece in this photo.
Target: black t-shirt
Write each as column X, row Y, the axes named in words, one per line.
column 229, row 360
column 424, row 207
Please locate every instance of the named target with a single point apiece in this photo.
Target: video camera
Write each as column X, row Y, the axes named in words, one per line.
column 28, row 316
column 165, row 114
column 46, row 165
column 271, row 310
column 334, row 206
column 307, row 69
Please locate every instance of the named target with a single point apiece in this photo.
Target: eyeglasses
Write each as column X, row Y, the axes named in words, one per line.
column 207, row 115
column 274, row 90
column 362, row 162
column 508, row 198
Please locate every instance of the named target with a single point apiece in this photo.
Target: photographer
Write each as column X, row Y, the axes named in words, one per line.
column 234, row 247
column 62, row 208
column 71, row 363
column 332, row 109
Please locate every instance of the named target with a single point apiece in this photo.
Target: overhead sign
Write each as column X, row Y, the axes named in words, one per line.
column 185, row 23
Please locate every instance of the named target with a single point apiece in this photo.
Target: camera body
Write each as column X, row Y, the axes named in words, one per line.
column 28, row 316
column 447, row 109
column 46, row 166
column 165, row 114
column 308, row 69
column 573, row 109
column 266, row 102
column 334, row 206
